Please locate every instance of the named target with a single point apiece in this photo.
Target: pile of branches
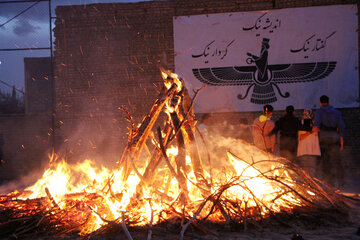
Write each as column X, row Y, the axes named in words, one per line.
column 43, row 216
column 38, row 217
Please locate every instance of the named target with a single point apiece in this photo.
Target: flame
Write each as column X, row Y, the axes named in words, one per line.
column 171, row 78
column 91, row 195
column 105, row 196
column 262, row 187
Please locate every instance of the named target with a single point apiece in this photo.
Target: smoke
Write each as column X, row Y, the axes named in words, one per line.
column 222, row 137
column 21, row 182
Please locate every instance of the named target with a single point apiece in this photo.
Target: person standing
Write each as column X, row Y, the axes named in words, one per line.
column 308, row 150
column 261, row 128
column 288, row 126
column 330, row 125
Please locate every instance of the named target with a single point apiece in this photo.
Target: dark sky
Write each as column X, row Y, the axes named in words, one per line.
column 30, row 29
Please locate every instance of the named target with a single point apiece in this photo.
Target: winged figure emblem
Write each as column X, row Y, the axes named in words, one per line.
column 263, row 77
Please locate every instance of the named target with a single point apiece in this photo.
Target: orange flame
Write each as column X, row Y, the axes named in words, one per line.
column 78, row 181
column 98, row 195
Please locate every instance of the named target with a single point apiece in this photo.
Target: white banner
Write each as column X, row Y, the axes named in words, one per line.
column 278, row 57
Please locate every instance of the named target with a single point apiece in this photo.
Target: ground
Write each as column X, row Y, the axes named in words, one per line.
column 328, row 226
column 325, row 226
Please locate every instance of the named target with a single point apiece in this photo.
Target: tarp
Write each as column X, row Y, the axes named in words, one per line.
column 278, row 57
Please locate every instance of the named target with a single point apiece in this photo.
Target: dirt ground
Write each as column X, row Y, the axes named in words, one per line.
column 332, row 225
column 327, row 226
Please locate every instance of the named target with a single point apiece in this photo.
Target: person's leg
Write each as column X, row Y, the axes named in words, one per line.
column 337, row 170
column 282, row 147
column 288, row 148
column 308, row 163
column 293, row 149
column 317, row 167
column 325, row 163
column 285, row 153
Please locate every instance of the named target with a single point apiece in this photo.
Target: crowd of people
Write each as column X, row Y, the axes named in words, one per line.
column 314, row 141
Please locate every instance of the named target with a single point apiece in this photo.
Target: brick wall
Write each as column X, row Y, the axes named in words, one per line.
column 27, row 136
column 38, row 85
column 107, row 55
column 26, row 145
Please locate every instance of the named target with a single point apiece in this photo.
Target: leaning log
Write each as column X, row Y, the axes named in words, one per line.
column 138, row 139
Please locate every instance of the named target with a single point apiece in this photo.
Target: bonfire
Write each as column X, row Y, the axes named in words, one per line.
column 166, row 175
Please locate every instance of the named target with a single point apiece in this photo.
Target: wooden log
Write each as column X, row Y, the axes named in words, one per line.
column 172, row 170
column 137, row 141
column 195, row 157
column 150, row 171
column 185, row 112
column 180, row 159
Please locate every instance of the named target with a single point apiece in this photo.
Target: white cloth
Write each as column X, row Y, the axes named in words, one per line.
column 309, row 145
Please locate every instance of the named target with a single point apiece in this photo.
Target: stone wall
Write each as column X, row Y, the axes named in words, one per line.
column 107, row 55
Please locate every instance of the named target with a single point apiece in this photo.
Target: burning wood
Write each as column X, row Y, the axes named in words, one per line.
column 170, row 185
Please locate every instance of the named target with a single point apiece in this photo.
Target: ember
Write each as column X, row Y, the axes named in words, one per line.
column 171, row 184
